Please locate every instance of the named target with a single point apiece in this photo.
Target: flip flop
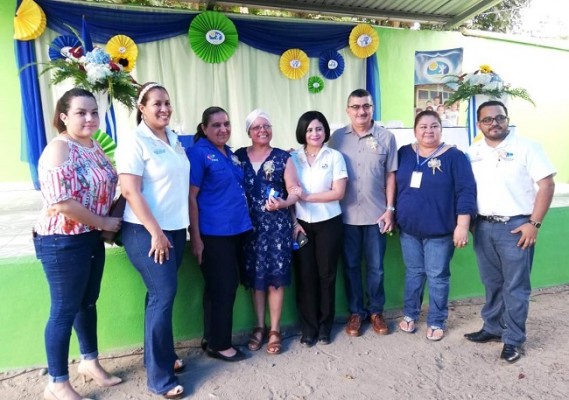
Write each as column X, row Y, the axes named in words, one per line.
column 431, row 333
column 175, row 393
column 407, row 325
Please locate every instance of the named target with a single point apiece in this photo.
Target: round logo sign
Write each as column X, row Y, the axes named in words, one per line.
column 332, row 64
column 364, row 40
column 295, row 64
column 215, row 37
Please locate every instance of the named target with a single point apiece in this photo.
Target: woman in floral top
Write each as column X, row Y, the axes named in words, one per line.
column 77, row 184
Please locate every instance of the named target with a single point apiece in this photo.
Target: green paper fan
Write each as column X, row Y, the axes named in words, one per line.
column 213, row 37
column 107, row 144
column 315, row 84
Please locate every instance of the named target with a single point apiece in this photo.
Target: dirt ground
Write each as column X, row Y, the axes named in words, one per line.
column 396, row 366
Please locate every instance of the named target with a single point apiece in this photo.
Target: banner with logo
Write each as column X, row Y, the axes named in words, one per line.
column 430, row 92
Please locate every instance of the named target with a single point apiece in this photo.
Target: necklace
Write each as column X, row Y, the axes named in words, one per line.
column 311, row 154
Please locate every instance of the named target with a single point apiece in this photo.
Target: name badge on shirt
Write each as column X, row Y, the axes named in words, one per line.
column 416, row 177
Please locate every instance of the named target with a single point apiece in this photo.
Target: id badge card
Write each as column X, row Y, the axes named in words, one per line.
column 416, row 177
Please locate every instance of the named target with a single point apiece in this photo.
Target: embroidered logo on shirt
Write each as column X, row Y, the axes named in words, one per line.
column 212, row 157
column 159, row 151
column 504, row 155
column 324, row 166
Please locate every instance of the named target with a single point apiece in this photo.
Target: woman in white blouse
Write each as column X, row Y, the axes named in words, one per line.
column 322, row 174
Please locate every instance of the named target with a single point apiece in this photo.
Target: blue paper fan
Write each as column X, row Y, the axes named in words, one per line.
column 60, row 43
column 331, row 64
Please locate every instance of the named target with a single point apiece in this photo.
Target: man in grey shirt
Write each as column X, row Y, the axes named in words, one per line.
column 370, row 152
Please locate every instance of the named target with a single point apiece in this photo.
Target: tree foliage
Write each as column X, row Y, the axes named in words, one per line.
column 504, row 17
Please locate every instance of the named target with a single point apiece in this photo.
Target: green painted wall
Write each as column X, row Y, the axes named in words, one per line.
column 25, row 299
column 540, row 70
column 11, row 168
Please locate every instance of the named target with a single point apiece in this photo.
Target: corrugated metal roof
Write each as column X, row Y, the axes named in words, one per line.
column 449, row 13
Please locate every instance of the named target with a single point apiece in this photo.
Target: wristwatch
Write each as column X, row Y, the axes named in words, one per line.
column 535, row 223
column 391, row 208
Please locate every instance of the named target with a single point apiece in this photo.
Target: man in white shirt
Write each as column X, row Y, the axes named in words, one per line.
column 508, row 170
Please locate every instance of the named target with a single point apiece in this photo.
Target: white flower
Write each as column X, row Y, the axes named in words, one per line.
column 480, row 79
column 494, row 85
column 97, row 72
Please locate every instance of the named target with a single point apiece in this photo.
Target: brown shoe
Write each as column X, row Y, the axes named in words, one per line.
column 379, row 325
column 354, row 324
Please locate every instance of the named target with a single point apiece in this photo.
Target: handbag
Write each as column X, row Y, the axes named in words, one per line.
column 117, row 211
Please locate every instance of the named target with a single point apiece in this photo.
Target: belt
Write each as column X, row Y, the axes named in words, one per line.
column 499, row 218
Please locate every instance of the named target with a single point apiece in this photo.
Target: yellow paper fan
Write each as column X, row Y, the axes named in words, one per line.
column 123, row 51
column 294, row 63
column 364, row 41
column 29, row 22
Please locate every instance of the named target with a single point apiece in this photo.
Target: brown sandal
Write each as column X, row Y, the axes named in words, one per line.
column 254, row 342
column 275, row 346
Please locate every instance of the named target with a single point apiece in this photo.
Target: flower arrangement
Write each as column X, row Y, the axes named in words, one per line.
column 482, row 81
column 95, row 71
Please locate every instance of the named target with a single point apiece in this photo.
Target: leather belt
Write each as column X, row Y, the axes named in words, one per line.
column 498, row 218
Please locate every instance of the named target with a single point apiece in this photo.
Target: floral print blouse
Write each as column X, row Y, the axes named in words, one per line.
column 87, row 176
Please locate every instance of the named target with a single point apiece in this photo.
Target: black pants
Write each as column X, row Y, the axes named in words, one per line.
column 222, row 259
column 316, row 264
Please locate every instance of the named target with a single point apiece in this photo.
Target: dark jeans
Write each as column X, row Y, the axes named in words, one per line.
column 316, row 265
column 222, row 261
column 367, row 241
column 161, row 281
column 505, row 272
column 73, row 265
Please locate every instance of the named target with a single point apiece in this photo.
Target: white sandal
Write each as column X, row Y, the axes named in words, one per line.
column 407, row 325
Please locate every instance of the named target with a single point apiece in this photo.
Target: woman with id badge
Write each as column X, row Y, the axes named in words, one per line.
column 154, row 176
column 436, row 198
column 269, row 178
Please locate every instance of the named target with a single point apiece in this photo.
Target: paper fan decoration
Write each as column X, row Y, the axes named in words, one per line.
column 213, row 37
column 331, row 64
column 107, row 144
column 315, row 84
column 294, row 63
column 123, row 51
column 364, row 41
column 61, row 46
column 29, row 22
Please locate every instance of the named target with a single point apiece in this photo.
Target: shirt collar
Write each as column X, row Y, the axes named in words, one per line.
column 145, row 131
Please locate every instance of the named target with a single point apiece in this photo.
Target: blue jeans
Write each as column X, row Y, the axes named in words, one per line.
column 364, row 240
column 73, row 265
column 427, row 260
column 161, row 282
column 505, row 272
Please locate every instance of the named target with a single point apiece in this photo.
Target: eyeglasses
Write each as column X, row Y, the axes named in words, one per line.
column 489, row 120
column 356, row 107
column 258, row 128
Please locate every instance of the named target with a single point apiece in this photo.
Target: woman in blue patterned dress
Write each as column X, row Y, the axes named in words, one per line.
column 269, row 176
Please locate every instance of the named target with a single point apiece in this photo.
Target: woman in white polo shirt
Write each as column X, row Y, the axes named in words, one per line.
column 154, row 178
column 322, row 174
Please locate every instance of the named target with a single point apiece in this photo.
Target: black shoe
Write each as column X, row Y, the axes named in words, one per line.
column 324, row 338
column 203, row 344
column 482, row 337
column 307, row 341
column 510, row 353
column 238, row 356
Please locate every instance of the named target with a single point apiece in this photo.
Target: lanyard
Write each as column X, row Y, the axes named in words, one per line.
column 434, row 153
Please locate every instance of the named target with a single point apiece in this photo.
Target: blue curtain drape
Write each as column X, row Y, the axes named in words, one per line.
column 146, row 26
